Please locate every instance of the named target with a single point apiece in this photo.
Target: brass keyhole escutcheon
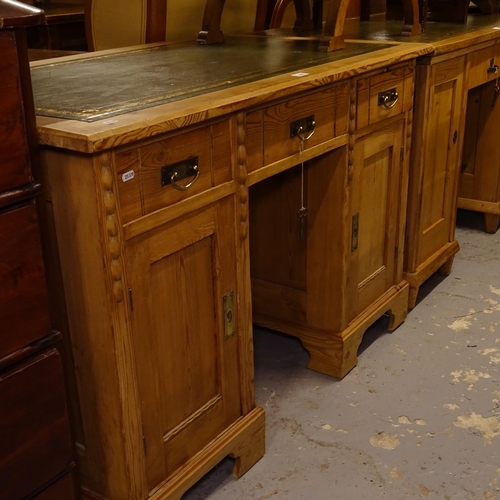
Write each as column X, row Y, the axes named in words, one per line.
column 229, row 326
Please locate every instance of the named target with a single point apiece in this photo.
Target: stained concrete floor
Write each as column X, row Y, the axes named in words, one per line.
column 419, row 417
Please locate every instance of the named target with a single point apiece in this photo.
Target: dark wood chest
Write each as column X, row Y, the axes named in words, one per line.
column 35, row 452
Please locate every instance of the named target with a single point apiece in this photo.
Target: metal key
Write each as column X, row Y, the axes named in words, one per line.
column 302, row 213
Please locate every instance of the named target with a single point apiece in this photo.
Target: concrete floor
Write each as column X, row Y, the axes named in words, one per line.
column 419, row 417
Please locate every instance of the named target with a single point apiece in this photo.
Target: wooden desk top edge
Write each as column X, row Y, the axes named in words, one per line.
column 129, row 127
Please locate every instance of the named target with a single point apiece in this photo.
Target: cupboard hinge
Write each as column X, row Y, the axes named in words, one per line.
column 354, row 233
column 130, row 299
column 402, row 154
column 144, row 444
column 229, row 320
column 396, row 252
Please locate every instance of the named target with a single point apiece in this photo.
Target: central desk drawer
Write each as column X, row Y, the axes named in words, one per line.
column 384, row 95
column 170, row 170
column 483, row 66
column 271, row 133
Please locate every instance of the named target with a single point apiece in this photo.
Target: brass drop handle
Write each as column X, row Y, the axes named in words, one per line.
column 493, row 68
column 303, row 128
column 172, row 174
column 180, row 187
column 388, row 98
column 300, row 130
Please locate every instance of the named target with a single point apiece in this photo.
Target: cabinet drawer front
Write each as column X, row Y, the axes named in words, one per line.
column 481, row 65
column 165, row 172
column 382, row 96
column 14, row 151
column 23, row 296
column 34, row 429
column 271, row 133
column 62, row 489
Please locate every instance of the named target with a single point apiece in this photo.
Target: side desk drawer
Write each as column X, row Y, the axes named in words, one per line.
column 14, row 148
column 34, row 429
column 481, row 66
column 62, row 489
column 384, row 95
column 23, row 296
column 271, row 133
column 162, row 173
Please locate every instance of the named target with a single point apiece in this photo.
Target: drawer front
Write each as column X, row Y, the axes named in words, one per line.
column 14, row 151
column 23, row 296
column 271, row 133
column 384, row 95
column 165, row 172
column 483, row 65
column 62, row 489
column 34, row 429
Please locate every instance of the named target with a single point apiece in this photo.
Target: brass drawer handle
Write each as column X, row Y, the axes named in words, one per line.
column 303, row 126
column 180, row 187
column 388, row 98
column 175, row 172
column 493, row 68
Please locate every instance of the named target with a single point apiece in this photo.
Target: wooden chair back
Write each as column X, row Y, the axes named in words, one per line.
column 113, row 23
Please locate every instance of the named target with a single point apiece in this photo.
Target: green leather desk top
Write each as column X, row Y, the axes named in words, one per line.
column 102, row 86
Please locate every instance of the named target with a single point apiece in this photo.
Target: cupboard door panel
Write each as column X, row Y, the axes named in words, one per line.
column 375, row 214
column 480, row 178
column 441, row 158
column 187, row 370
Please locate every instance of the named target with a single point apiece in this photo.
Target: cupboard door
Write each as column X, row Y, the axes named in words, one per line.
column 375, row 215
column 186, row 359
column 441, row 158
column 480, row 177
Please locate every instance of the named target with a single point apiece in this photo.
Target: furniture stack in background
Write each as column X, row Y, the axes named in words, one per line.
column 36, row 451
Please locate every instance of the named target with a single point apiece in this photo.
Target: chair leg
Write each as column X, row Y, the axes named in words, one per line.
column 278, row 13
column 210, row 30
column 364, row 10
column 261, row 15
column 317, row 14
column 303, row 21
column 333, row 38
column 412, row 24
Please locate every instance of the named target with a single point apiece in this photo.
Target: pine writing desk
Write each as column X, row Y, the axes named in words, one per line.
column 174, row 181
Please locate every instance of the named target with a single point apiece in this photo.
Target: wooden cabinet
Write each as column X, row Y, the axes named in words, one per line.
column 436, row 149
column 158, row 310
column 327, row 281
column 35, row 443
column 480, row 174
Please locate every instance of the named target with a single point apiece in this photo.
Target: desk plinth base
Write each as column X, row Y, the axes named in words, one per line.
column 244, row 441
column 490, row 209
column 336, row 353
column 441, row 262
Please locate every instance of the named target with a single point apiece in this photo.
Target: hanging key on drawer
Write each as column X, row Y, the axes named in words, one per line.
column 302, row 213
